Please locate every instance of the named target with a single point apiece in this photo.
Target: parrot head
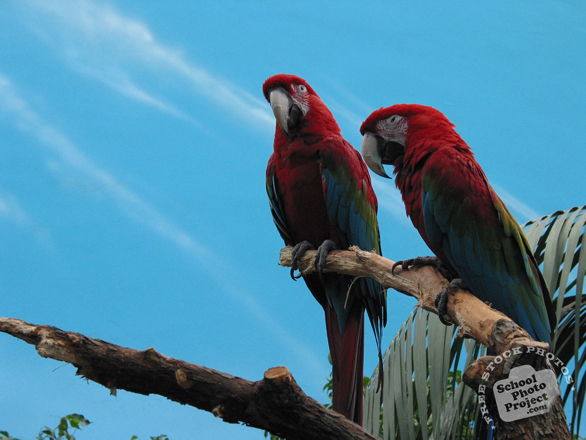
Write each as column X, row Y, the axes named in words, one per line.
column 296, row 106
column 403, row 133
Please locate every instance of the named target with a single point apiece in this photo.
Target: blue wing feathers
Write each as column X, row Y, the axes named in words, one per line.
column 356, row 224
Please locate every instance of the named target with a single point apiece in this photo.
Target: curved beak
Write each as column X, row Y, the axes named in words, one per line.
column 281, row 103
column 371, row 146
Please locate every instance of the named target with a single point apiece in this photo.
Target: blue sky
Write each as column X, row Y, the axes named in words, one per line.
column 134, row 141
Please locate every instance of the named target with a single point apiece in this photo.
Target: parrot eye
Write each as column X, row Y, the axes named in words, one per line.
column 394, row 128
column 394, row 120
column 301, row 97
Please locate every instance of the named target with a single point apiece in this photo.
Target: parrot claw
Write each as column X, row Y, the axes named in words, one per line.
column 441, row 300
column 322, row 255
column 441, row 304
column 459, row 282
column 296, row 254
column 293, row 276
column 424, row 261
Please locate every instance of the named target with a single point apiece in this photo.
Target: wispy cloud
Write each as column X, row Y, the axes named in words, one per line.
column 121, row 83
column 359, row 112
column 98, row 41
column 389, row 198
column 12, row 211
column 341, row 111
column 71, row 159
column 361, row 107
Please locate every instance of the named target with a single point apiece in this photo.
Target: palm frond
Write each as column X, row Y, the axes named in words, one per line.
column 560, row 249
column 423, row 370
column 425, row 398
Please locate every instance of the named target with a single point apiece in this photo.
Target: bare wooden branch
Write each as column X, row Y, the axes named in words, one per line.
column 275, row 403
column 474, row 318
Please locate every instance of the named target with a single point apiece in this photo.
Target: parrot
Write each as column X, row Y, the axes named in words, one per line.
column 320, row 194
column 477, row 243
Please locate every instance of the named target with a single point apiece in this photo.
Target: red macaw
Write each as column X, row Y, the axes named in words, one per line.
column 320, row 194
column 458, row 214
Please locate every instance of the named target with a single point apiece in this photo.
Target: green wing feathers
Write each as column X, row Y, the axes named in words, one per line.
column 483, row 242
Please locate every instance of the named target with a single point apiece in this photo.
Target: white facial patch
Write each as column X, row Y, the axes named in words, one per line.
column 301, row 97
column 393, row 129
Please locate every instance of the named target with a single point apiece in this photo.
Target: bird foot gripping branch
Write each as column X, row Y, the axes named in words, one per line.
column 298, row 252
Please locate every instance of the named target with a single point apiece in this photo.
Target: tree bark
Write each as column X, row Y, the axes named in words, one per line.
column 276, row 403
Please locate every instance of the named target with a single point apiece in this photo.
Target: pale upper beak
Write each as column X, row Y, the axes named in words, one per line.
column 281, row 103
column 371, row 152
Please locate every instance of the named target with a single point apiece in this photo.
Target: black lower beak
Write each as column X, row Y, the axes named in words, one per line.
column 294, row 118
column 390, row 152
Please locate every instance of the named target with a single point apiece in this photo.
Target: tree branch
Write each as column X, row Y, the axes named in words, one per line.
column 275, row 403
column 475, row 319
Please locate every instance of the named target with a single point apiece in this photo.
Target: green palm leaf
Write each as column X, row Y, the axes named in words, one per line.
column 560, row 249
column 423, row 370
column 425, row 398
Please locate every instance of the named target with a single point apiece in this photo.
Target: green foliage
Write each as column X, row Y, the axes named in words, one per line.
column 560, row 249
column 74, row 421
column 329, row 386
column 159, row 437
column 423, row 384
column 61, row 432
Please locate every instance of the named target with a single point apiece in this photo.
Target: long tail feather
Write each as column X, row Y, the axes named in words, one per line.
column 347, row 353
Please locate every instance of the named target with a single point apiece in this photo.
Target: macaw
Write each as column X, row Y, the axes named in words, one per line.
column 320, row 194
column 458, row 214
